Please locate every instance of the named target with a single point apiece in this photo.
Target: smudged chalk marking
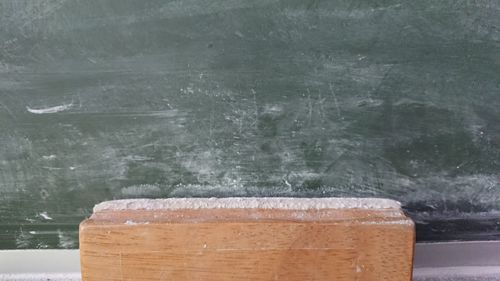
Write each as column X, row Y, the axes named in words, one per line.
column 45, row 216
column 141, row 190
column 47, row 110
column 49, row 157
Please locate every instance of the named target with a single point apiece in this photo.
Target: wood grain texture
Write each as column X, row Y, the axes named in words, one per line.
column 247, row 244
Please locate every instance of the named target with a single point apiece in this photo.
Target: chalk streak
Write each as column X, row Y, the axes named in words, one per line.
column 48, row 110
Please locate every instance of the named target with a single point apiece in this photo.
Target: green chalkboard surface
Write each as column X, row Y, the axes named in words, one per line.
column 107, row 99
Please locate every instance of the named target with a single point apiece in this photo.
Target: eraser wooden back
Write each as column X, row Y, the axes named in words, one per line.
column 292, row 239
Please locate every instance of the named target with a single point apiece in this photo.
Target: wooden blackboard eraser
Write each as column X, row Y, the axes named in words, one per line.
column 292, row 239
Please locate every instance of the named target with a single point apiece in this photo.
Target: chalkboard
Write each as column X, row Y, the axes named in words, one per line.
column 108, row 99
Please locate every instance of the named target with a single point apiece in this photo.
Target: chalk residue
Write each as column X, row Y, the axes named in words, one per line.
column 45, row 216
column 400, row 222
column 49, row 157
column 66, row 241
column 69, row 276
column 131, row 222
column 141, row 190
column 47, row 110
column 247, row 203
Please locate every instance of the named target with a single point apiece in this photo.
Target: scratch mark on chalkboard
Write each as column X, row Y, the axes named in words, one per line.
column 53, row 109
column 309, row 107
column 335, row 101
column 51, row 168
column 8, row 111
column 196, row 8
column 321, row 102
column 138, row 157
column 255, row 109
column 38, row 10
